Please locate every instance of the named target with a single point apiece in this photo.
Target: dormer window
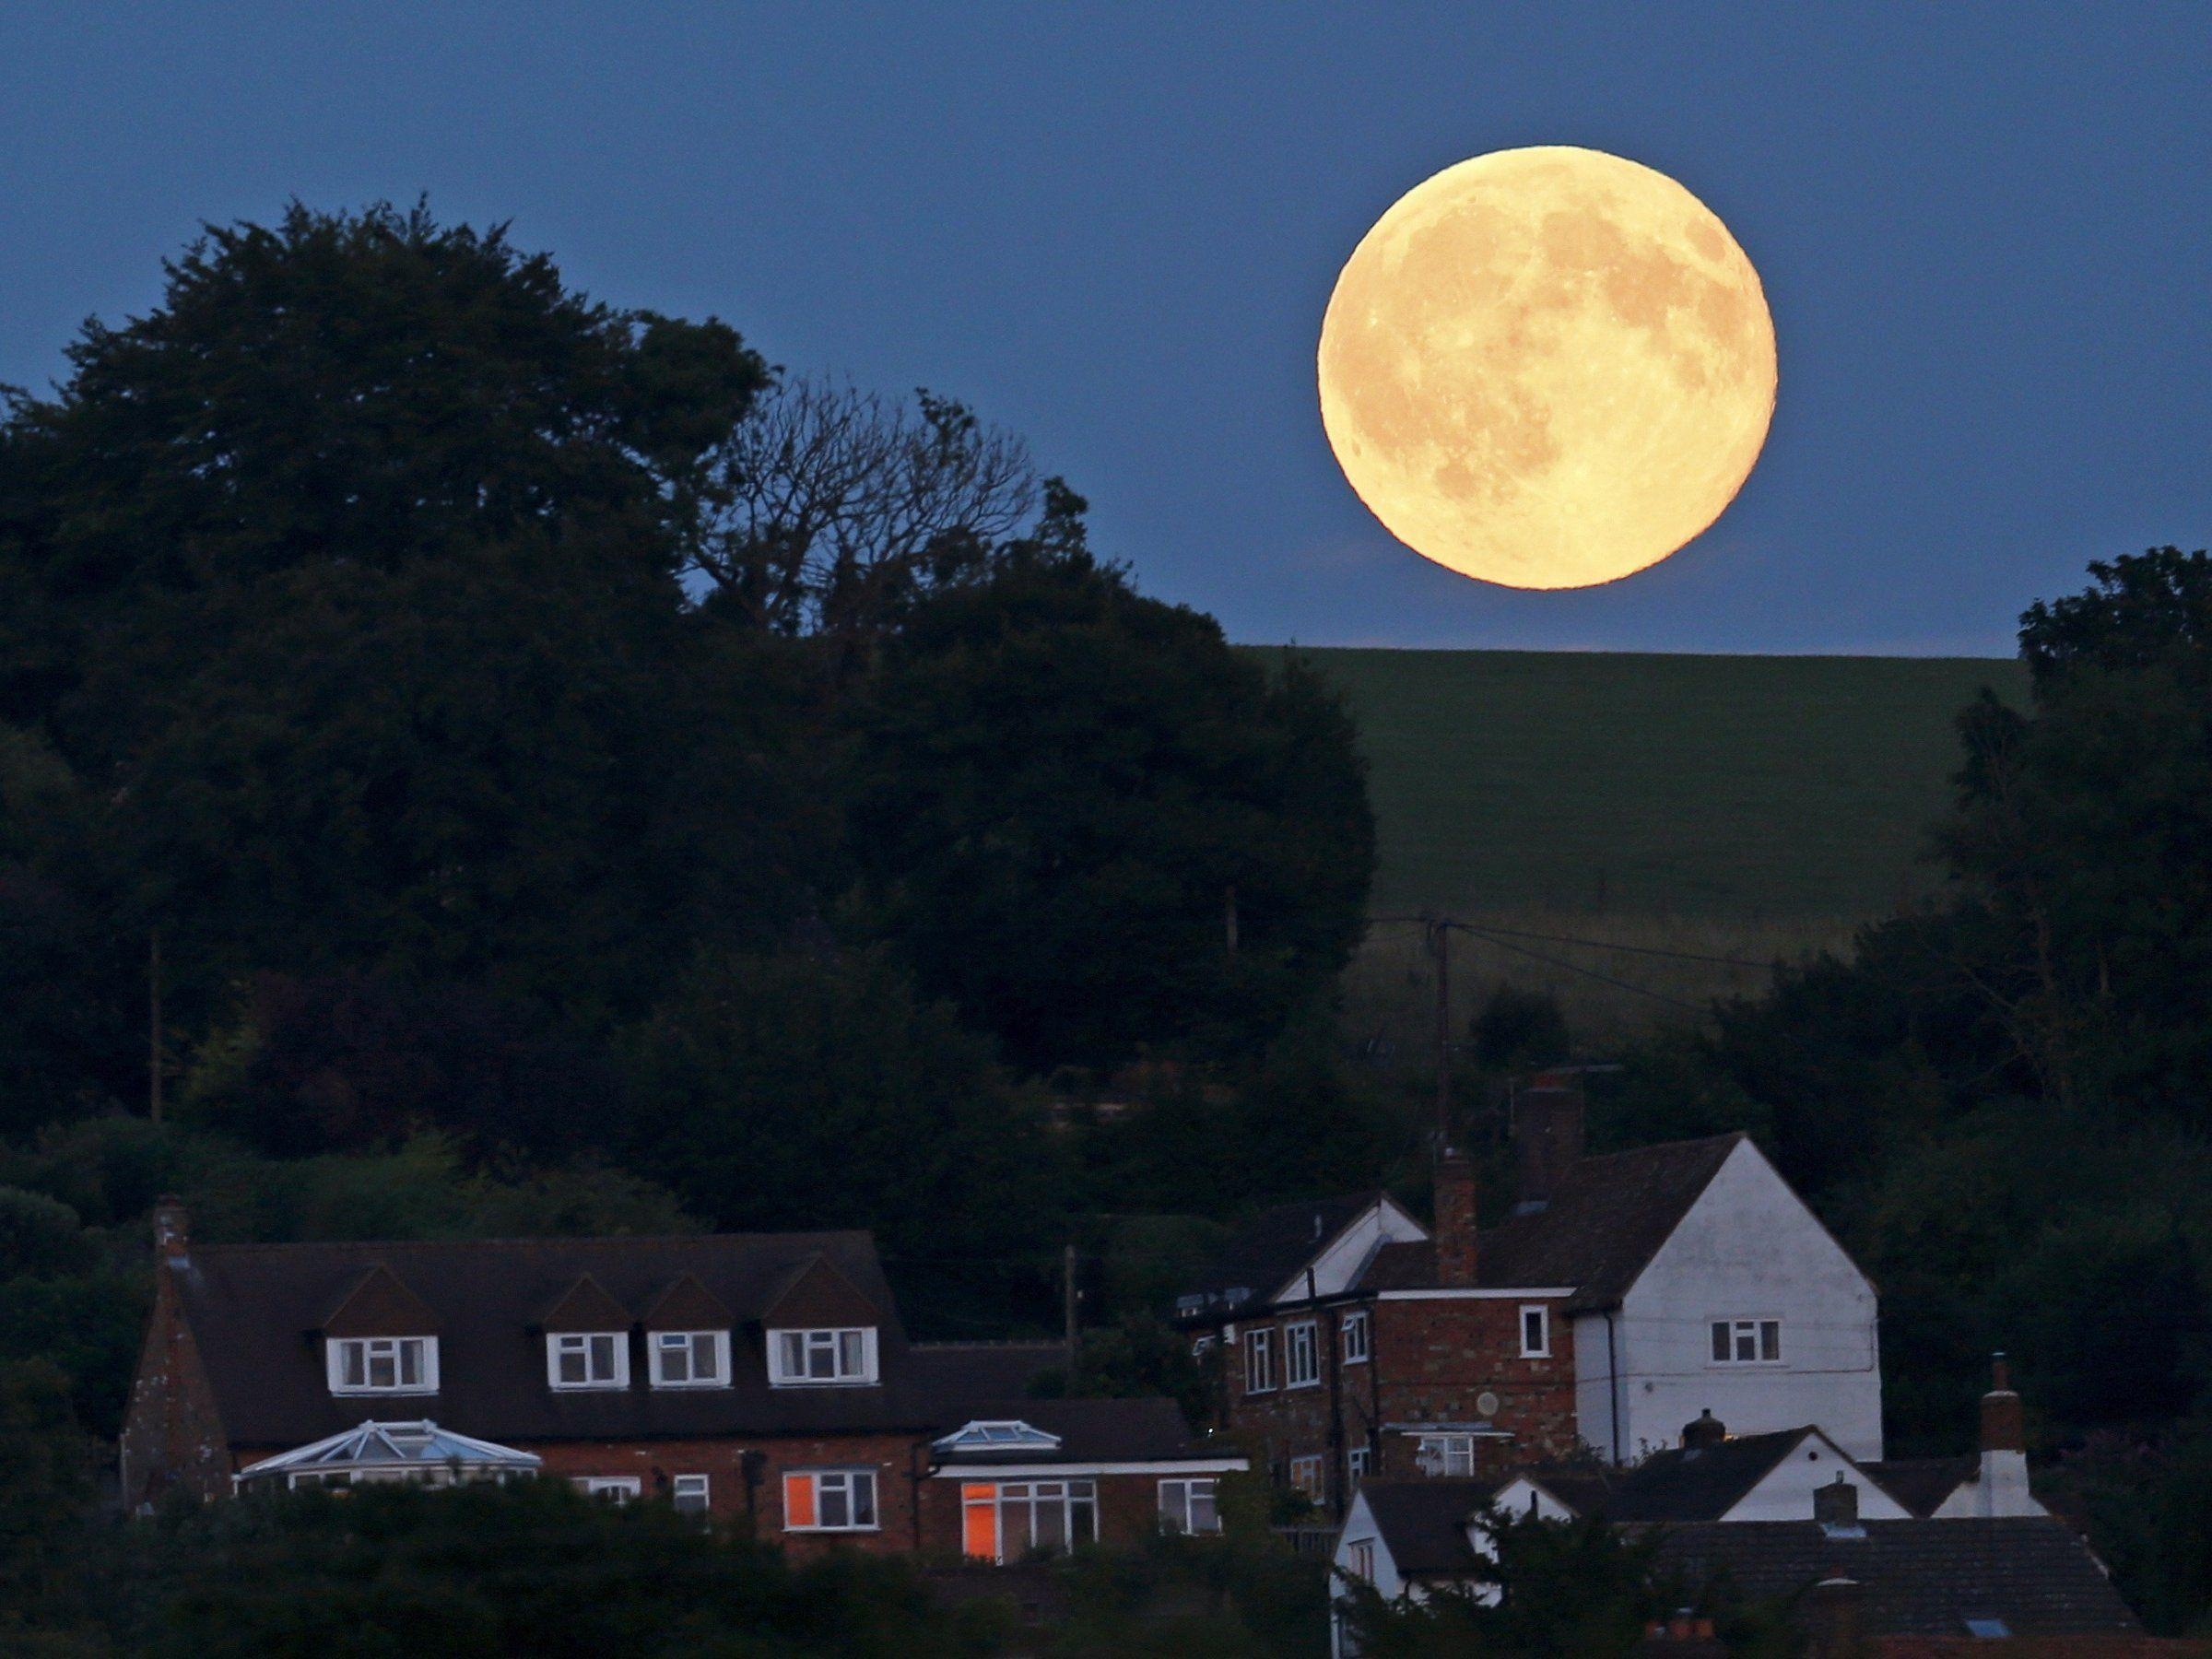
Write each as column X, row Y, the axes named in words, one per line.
column 577, row 1359
column 808, row 1358
column 366, row 1365
column 689, row 1359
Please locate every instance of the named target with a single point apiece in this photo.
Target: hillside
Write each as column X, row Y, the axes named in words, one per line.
column 1731, row 788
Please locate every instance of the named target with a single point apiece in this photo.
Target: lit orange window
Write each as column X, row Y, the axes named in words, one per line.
column 979, row 1533
column 798, row 1500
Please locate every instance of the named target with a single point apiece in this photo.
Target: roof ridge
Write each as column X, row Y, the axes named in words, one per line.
column 1667, row 1146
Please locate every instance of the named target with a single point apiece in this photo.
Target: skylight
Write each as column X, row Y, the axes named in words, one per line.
column 999, row 1434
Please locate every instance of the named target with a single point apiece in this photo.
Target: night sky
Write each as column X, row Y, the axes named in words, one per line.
column 1986, row 232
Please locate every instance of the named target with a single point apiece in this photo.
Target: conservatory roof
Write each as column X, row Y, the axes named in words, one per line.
column 394, row 1446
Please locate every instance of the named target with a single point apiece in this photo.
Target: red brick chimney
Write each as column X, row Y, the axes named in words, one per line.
column 1706, row 1431
column 172, row 1230
column 1548, row 1137
column 1832, row 1611
column 2001, row 1485
column 1455, row 1249
column 2003, row 1424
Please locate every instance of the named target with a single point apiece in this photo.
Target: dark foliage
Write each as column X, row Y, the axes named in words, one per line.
column 1059, row 790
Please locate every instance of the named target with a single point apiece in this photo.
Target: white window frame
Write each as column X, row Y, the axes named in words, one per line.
column 656, row 1358
column 1762, row 1331
column 851, row 1483
column 828, row 1339
column 373, row 1348
column 561, row 1344
column 1359, row 1461
column 620, row 1489
column 1178, row 1499
column 1362, row 1567
column 1259, row 1360
column 682, row 1489
column 1307, row 1477
column 1301, row 1341
column 1076, row 1501
column 1457, row 1452
column 1541, row 1347
column 1358, row 1331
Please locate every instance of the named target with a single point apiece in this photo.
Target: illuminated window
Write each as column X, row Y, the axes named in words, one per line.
column 1009, row 1520
column 383, row 1365
column 829, row 1501
column 1305, row 1476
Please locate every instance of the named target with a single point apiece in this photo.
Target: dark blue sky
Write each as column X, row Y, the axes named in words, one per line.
column 1986, row 232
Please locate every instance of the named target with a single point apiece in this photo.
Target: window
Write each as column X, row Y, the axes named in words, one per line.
column 829, row 1501
column 689, row 1491
column 1007, row 1520
column 1359, row 1459
column 1536, row 1332
column 587, row 1358
column 797, row 1358
column 689, row 1359
column 1305, row 1476
column 1746, row 1342
column 1301, row 1355
column 383, row 1365
column 1187, row 1506
column 1259, row 1360
column 613, row 1489
column 1363, row 1565
column 1451, row 1455
column 1354, row 1337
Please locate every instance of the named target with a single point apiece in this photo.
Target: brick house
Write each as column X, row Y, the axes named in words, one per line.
column 760, row 1379
column 1623, row 1295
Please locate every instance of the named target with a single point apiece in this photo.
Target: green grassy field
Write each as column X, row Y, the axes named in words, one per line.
column 1730, row 788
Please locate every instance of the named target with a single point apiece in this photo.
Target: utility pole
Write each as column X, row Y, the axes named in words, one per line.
column 153, row 1028
column 1067, row 1282
column 1440, row 945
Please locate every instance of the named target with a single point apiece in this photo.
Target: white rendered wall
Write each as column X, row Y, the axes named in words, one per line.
column 1594, row 1386
column 1747, row 1248
column 1786, row 1492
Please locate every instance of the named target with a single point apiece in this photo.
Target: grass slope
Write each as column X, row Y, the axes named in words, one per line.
column 1723, row 787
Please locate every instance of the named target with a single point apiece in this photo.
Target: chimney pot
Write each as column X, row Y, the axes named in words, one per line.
column 172, row 1229
column 1455, row 1221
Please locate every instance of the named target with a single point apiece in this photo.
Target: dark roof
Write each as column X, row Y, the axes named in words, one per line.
column 1921, row 1484
column 255, row 1311
column 1585, row 1491
column 1700, row 1483
column 1141, row 1431
column 1277, row 1242
column 1923, row 1578
column 1606, row 1222
column 1424, row 1522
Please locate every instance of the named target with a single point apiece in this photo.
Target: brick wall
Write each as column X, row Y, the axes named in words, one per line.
column 172, row 1435
column 1431, row 1360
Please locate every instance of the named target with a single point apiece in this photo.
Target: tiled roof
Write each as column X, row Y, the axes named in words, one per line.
column 1700, row 1483
column 1605, row 1221
column 1918, row 1578
column 1921, row 1484
column 1277, row 1242
column 1143, row 1430
column 255, row 1311
column 1424, row 1522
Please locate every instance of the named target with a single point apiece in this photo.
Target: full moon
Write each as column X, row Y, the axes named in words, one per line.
column 1547, row 368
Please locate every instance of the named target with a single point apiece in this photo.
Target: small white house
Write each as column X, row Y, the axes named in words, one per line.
column 1411, row 1538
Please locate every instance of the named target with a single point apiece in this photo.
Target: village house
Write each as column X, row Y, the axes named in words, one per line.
column 1623, row 1295
column 1900, row 1552
column 759, row 1379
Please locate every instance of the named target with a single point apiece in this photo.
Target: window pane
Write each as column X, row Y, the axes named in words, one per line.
column 837, row 1509
column 411, row 1362
column 863, row 1500
column 794, row 1354
column 1203, row 1518
column 571, row 1361
column 383, row 1369
column 603, row 1358
column 1052, row 1525
column 852, row 1360
column 1174, row 1506
column 703, row 1367
column 1746, row 1343
column 821, row 1354
column 1769, row 1339
column 674, row 1353
column 352, row 1365
column 1720, row 1342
